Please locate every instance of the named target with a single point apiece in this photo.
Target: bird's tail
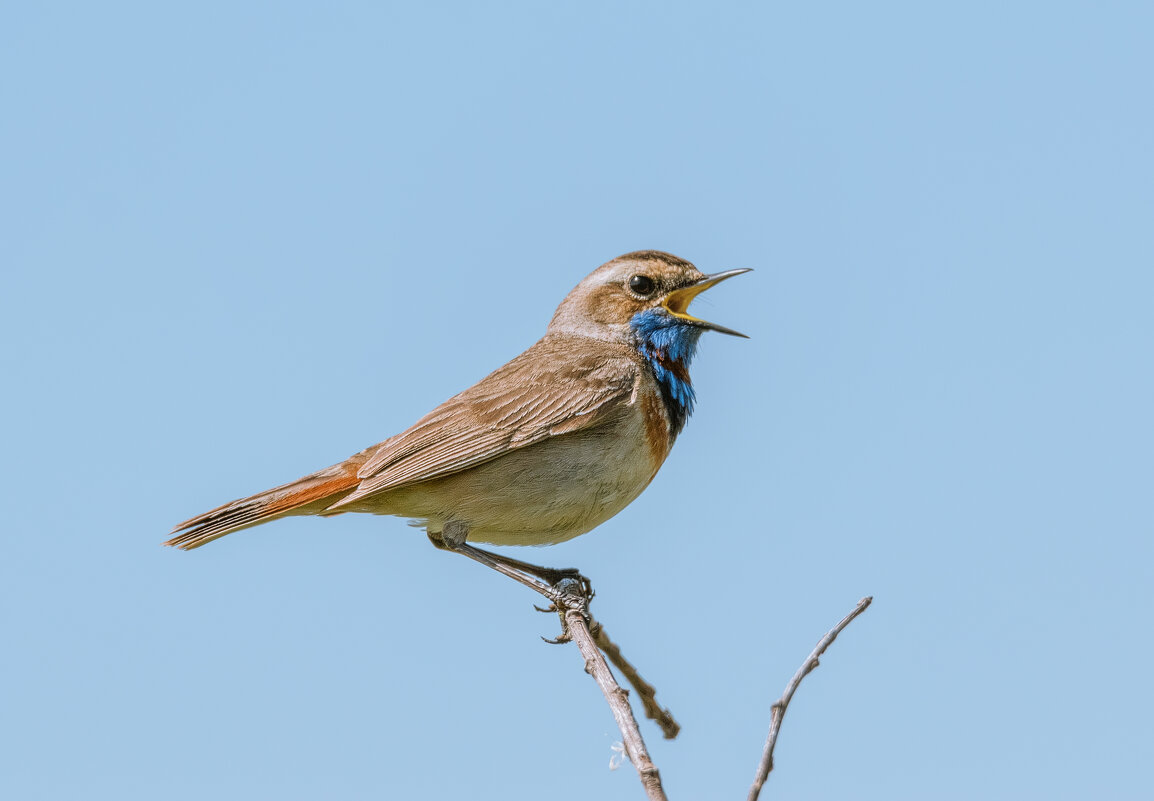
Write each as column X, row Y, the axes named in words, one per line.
column 308, row 495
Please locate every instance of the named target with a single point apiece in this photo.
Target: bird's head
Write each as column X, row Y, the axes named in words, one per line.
column 639, row 296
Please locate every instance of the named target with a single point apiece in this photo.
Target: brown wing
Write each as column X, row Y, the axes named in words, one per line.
column 556, row 387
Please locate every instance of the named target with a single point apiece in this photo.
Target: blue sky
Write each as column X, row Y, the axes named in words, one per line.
column 243, row 241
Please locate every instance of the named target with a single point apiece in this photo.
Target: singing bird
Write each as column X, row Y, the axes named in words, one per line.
column 546, row 448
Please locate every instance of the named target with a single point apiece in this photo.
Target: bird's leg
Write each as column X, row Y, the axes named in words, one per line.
column 558, row 585
column 452, row 538
column 551, row 575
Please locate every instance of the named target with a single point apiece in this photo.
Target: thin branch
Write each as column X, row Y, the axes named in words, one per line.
column 575, row 606
column 766, row 764
column 645, row 691
column 570, row 597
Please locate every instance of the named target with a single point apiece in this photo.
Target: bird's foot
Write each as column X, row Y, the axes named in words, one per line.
column 556, row 575
column 565, row 588
column 570, row 594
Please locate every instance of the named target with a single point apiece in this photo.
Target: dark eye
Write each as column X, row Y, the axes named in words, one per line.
column 642, row 284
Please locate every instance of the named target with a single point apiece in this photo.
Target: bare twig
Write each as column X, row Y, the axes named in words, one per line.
column 648, row 694
column 766, row 764
column 574, row 604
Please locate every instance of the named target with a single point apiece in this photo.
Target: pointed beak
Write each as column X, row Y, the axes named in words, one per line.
column 677, row 301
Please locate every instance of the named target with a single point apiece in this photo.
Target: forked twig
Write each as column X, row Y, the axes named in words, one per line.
column 570, row 598
column 575, row 613
column 766, row 764
column 645, row 691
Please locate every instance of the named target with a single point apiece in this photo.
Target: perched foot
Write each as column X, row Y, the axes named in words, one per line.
column 565, row 588
column 572, row 594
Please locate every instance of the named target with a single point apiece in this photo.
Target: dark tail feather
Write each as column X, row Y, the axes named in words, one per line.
column 307, row 495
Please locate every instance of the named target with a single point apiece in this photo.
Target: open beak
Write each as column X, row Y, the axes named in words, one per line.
column 677, row 301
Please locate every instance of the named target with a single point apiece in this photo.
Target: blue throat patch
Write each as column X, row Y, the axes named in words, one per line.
column 668, row 344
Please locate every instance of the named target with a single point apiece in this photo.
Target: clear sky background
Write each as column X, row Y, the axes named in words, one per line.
column 242, row 241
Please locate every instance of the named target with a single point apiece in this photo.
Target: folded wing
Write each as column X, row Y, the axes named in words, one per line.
column 546, row 391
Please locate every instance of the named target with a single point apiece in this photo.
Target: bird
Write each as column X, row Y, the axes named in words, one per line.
column 545, row 448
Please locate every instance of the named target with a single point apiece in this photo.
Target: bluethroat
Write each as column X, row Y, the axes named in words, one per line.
column 549, row 446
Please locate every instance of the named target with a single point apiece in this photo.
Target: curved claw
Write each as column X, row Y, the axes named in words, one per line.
column 551, row 608
column 562, row 638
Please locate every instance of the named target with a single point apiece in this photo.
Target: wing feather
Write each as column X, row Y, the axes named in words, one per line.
column 556, row 387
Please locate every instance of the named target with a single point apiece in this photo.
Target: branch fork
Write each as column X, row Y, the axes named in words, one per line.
column 569, row 594
column 571, row 602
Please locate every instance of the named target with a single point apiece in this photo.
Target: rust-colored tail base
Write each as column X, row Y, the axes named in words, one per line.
column 308, row 495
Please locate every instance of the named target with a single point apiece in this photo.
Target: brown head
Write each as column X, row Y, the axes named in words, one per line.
column 607, row 301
